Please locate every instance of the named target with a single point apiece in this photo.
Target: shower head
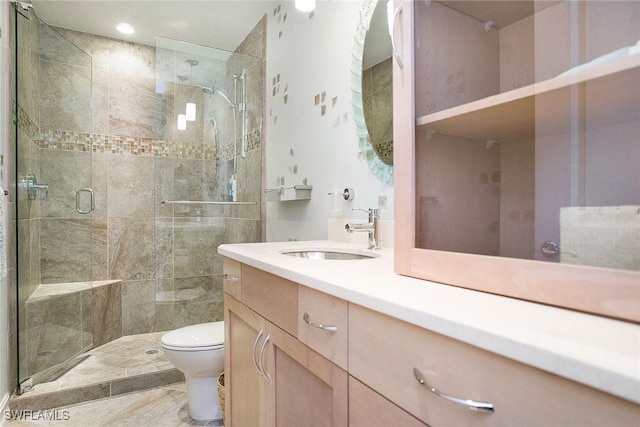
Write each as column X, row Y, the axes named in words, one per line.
column 214, row 90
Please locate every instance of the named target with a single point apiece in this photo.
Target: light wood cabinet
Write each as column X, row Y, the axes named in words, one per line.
column 308, row 389
column 384, row 352
column 271, row 377
column 276, row 378
column 231, row 278
column 248, row 399
column 325, row 327
column 514, row 123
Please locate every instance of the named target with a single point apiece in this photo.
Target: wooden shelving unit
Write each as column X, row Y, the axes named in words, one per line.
column 512, row 115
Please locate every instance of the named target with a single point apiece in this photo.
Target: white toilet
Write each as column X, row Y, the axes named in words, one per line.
column 198, row 352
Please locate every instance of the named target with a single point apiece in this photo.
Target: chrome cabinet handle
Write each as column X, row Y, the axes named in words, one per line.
column 305, row 317
column 229, row 278
column 264, row 345
column 392, row 28
column 471, row 404
column 255, row 345
column 92, row 198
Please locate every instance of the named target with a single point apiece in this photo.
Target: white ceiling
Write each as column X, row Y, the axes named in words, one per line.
column 222, row 24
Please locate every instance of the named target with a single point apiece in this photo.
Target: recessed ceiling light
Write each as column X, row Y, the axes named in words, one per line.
column 305, row 5
column 125, row 28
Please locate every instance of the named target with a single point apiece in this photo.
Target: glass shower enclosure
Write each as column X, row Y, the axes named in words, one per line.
column 208, row 180
column 134, row 163
column 52, row 93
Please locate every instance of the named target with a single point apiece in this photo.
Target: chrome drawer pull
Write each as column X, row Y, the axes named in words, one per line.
column 471, row 404
column 305, row 317
column 255, row 345
column 229, row 278
column 264, row 344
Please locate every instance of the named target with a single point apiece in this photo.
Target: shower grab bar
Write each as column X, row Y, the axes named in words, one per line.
column 203, row 202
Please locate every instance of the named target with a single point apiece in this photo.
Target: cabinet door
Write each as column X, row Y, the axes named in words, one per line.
column 368, row 409
column 247, row 398
column 308, row 390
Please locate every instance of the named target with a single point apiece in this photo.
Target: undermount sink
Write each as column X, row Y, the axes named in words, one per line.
column 329, row 254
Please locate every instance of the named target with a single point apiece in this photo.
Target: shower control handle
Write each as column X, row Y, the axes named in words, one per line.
column 32, row 185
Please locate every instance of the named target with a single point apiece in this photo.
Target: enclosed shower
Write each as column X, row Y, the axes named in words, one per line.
column 133, row 163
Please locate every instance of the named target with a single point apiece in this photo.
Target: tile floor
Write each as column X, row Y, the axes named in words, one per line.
column 124, row 357
column 161, row 406
column 128, row 359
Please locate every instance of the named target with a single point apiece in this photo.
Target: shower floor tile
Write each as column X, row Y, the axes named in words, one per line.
column 121, row 358
column 125, row 365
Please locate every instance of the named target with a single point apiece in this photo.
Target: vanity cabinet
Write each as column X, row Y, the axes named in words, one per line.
column 271, row 377
column 356, row 366
column 516, row 149
column 488, row 389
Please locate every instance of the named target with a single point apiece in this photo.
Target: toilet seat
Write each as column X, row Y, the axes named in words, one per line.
column 201, row 337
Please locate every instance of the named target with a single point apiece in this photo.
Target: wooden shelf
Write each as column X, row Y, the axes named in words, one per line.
column 611, row 91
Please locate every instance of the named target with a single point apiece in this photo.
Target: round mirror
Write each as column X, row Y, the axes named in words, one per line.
column 372, row 88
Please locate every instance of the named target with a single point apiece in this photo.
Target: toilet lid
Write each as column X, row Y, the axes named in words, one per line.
column 195, row 336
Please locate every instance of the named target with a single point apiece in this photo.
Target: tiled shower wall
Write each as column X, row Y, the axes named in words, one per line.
column 165, row 255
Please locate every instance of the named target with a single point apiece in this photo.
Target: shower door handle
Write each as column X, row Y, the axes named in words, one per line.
column 91, row 198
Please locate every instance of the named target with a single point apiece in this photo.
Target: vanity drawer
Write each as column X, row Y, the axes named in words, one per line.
column 325, row 327
column 271, row 296
column 231, row 277
column 383, row 353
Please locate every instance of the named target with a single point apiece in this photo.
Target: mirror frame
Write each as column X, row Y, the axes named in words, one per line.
column 380, row 169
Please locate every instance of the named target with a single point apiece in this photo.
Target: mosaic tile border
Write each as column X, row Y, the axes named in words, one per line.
column 25, row 124
column 123, row 145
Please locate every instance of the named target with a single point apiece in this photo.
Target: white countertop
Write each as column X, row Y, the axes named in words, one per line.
column 596, row 351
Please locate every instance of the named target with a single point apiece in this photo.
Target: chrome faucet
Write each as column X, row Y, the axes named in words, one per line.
column 371, row 227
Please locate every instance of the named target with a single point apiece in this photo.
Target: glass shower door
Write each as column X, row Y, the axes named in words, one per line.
column 54, row 200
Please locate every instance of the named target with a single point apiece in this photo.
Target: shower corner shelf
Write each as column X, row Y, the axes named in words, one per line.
column 289, row 194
